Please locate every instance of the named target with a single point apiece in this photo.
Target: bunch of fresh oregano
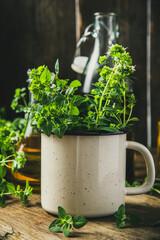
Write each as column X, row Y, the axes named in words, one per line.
column 108, row 108
column 11, row 135
column 112, row 100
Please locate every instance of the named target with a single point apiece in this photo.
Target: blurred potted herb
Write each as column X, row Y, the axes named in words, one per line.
column 11, row 135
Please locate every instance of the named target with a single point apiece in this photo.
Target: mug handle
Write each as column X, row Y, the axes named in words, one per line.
column 147, row 185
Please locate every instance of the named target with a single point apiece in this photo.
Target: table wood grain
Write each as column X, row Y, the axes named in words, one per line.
column 31, row 222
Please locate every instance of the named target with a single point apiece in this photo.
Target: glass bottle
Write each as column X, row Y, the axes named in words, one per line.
column 32, row 151
column 104, row 34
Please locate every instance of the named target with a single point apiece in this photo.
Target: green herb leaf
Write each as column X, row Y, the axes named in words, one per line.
column 68, row 218
column 18, row 187
column 61, row 212
column 47, row 128
column 11, row 188
column 74, row 111
column 156, row 190
column 54, row 226
column 57, row 67
column 120, row 223
column 66, row 229
column 45, row 78
column 134, row 119
column 69, row 91
column 121, row 210
column 74, row 84
column 27, row 184
column 3, row 171
column 59, row 132
column 79, row 222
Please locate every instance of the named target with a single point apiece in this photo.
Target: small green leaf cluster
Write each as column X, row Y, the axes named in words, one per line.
column 7, row 188
column 154, row 189
column 58, row 108
column 19, row 101
column 11, row 135
column 108, row 108
column 134, row 184
column 113, row 98
column 17, row 161
column 121, row 218
column 66, row 222
column 23, row 194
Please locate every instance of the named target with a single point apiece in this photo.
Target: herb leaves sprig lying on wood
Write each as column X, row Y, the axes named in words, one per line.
column 66, row 222
column 121, row 218
column 59, row 109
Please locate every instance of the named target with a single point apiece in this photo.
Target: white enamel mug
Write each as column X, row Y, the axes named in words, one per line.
column 86, row 174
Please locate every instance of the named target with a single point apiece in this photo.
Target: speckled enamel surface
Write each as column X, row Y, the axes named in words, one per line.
column 83, row 174
column 86, row 174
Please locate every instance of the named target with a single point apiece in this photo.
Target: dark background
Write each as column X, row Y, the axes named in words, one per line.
column 35, row 32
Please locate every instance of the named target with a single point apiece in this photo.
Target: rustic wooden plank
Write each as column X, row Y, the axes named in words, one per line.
column 31, row 222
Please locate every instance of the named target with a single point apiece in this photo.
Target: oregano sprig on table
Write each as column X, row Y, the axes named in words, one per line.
column 14, row 161
column 121, row 218
column 66, row 222
column 10, row 189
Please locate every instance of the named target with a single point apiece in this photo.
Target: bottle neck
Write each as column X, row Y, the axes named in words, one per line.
column 106, row 31
column 31, row 99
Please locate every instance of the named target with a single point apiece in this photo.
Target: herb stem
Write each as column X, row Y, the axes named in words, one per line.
column 24, row 100
column 101, row 98
column 124, row 113
column 124, row 100
column 130, row 113
column 8, row 166
column 12, row 160
column 7, row 158
column 7, row 193
column 118, row 119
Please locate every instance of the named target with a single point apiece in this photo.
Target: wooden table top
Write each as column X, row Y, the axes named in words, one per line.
column 31, row 222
